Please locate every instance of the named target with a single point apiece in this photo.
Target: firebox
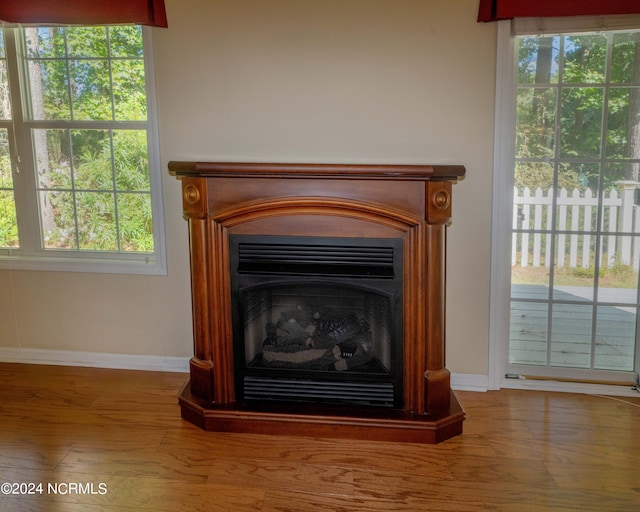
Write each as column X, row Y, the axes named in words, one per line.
column 317, row 319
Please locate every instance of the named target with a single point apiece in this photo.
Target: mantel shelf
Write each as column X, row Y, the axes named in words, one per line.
column 339, row 171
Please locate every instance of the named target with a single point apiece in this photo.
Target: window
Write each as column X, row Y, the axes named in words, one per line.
column 79, row 180
column 571, row 219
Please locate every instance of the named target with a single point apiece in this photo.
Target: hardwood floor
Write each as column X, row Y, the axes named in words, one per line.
column 120, row 436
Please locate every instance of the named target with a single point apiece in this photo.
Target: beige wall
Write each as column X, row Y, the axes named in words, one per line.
column 375, row 81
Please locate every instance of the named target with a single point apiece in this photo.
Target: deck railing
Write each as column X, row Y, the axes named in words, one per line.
column 576, row 225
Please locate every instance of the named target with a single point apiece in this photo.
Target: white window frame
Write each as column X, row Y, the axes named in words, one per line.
column 503, row 181
column 503, row 158
column 30, row 256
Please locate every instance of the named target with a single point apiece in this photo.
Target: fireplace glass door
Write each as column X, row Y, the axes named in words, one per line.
column 317, row 320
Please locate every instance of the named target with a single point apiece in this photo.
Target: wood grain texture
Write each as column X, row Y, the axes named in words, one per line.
column 522, row 451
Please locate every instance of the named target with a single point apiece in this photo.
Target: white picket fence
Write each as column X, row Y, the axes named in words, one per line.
column 577, row 213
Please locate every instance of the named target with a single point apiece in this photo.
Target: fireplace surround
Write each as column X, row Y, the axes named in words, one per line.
column 318, row 296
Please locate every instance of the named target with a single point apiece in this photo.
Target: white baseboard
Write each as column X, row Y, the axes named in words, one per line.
column 94, row 359
column 459, row 381
column 469, row 382
column 570, row 387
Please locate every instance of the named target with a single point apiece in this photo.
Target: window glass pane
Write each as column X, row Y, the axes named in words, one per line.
column 126, row 41
column 528, row 331
column 618, row 201
column 531, row 223
column 533, row 175
column 577, row 197
column 623, row 123
column 131, row 159
column 538, row 60
column 6, row 179
column 535, row 137
column 135, row 221
column 53, row 166
column 5, row 103
column 8, row 221
column 615, row 338
column 571, row 335
column 87, row 41
column 45, row 42
column 49, row 90
column 97, row 221
column 620, row 171
column 571, row 280
column 581, row 122
column 584, row 59
column 618, row 282
column 92, row 166
column 624, row 58
column 580, row 175
column 129, row 90
column 57, row 213
column 91, row 90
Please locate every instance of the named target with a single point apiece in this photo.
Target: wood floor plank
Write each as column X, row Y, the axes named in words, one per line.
column 258, row 473
column 188, row 466
column 600, row 477
column 566, row 452
column 387, row 482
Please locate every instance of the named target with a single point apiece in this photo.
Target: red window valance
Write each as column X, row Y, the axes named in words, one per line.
column 85, row 12
column 493, row 10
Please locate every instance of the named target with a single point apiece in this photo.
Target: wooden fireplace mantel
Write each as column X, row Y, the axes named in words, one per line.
column 407, row 202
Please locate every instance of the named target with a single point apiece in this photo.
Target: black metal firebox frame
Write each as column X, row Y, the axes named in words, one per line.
column 364, row 265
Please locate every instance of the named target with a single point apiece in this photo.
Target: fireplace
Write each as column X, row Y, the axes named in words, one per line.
column 318, row 299
column 317, row 319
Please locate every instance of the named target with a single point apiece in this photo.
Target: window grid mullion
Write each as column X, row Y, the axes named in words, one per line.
column 113, row 163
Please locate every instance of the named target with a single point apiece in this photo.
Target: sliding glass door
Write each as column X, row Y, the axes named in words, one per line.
column 576, row 220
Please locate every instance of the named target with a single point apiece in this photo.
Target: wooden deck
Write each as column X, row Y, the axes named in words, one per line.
column 572, row 324
column 521, row 451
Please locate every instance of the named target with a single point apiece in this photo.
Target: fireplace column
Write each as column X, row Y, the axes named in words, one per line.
column 437, row 377
column 210, row 375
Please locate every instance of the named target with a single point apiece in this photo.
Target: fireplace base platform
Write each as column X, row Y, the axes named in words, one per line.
column 310, row 420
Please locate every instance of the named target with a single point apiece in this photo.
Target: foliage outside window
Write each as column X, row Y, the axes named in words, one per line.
column 78, row 150
column 579, row 107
